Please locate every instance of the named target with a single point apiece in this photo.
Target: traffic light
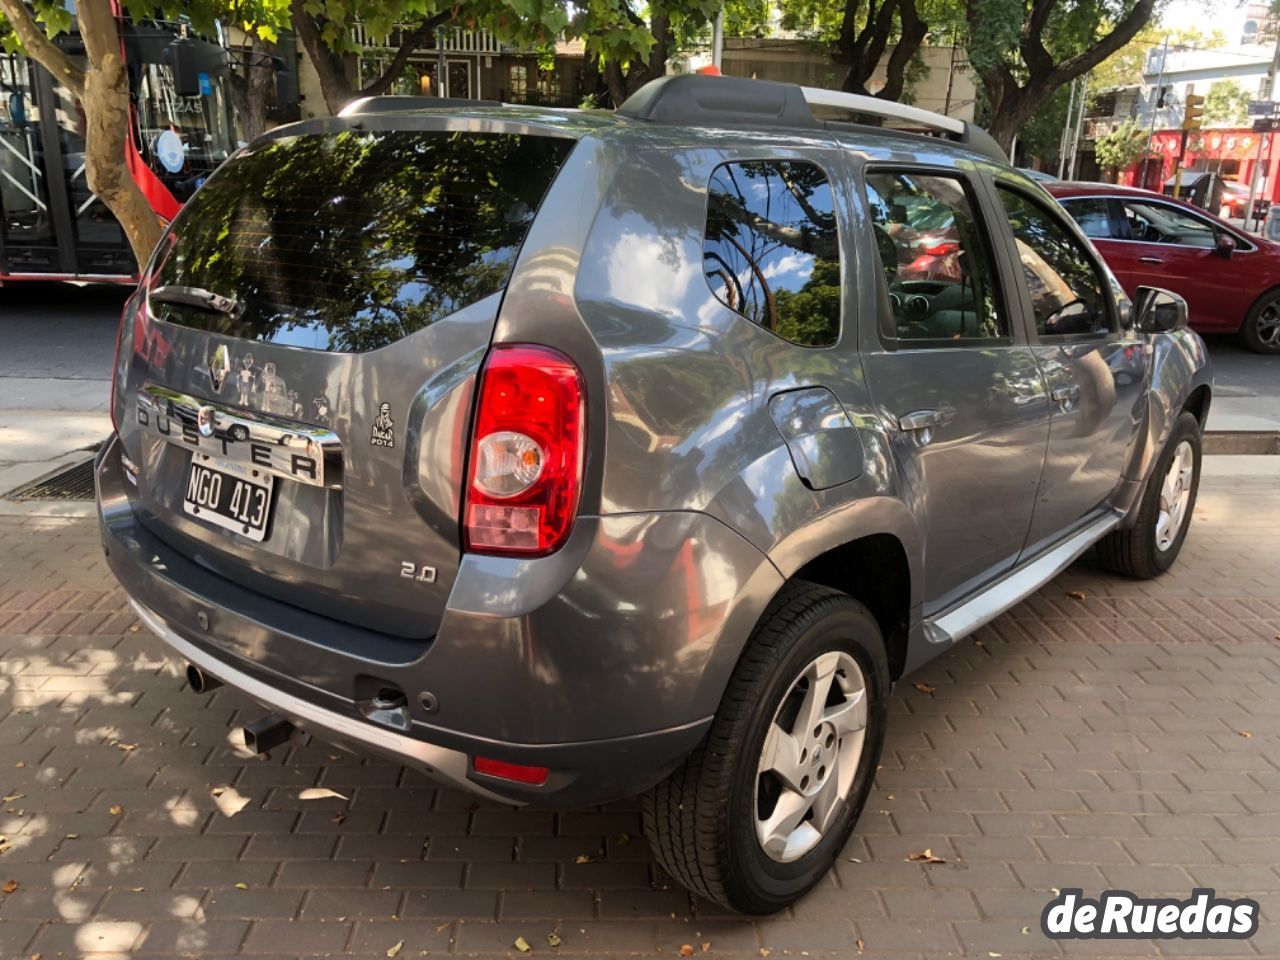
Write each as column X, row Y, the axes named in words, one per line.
column 1193, row 112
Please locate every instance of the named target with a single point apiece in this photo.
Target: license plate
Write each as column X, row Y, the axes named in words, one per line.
column 229, row 495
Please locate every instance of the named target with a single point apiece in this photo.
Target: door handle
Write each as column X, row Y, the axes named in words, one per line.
column 920, row 420
column 1027, row 399
column 1065, row 392
column 1150, row 260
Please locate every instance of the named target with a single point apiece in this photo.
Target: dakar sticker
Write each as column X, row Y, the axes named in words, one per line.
column 383, row 428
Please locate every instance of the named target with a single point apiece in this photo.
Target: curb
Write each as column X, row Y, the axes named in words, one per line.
column 1241, row 442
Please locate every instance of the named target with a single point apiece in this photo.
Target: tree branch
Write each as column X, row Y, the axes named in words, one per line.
column 43, row 50
column 1089, row 58
column 409, row 44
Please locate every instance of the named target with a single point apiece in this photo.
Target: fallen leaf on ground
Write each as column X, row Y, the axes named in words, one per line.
column 319, row 793
column 854, row 860
column 553, row 939
column 1074, row 595
column 229, row 801
column 10, row 886
column 706, row 948
column 442, row 928
column 338, row 818
column 126, row 747
column 137, row 889
column 1246, row 734
column 394, row 951
column 241, row 886
column 925, row 857
column 14, row 796
column 861, row 946
column 72, row 836
column 624, row 839
column 992, row 953
column 686, row 950
column 115, row 810
column 924, row 687
column 582, row 858
column 20, row 764
column 765, row 951
column 1026, row 931
column 522, row 945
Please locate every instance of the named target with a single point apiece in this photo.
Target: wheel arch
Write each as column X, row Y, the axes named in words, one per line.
column 875, row 571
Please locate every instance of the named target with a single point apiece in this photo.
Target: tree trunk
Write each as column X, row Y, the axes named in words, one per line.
column 250, row 90
column 334, row 84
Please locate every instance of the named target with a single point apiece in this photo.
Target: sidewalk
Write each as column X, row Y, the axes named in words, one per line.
column 1104, row 734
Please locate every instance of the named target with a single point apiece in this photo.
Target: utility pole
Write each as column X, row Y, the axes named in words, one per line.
column 1155, row 109
column 1066, row 132
column 1263, row 135
column 1075, row 140
column 717, row 39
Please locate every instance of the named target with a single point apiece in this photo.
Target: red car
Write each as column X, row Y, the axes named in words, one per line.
column 1230, row 279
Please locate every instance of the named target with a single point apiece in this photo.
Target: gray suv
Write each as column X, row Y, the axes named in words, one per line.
column 568, row 456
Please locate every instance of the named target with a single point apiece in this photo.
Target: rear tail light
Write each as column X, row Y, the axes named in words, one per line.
column 123, row 332
column 515, row 772
column 944, row 249
column 525, row 470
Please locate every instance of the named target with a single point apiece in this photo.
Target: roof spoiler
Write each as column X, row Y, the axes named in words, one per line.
column 698, row 100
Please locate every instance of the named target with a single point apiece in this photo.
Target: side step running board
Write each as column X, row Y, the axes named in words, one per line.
column 963, row 620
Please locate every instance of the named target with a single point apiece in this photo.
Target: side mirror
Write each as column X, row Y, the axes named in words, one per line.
column 1158, row 311
column 181, row 58
column 1226, row 245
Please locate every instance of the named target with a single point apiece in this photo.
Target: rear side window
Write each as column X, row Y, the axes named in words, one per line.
column 1093, row 214
column 771, row 251
column 350, row 241
column 936, row 262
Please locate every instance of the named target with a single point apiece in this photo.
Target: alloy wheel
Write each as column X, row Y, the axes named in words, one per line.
column 1175, row 493
column 1267, row 325
column 810, row 756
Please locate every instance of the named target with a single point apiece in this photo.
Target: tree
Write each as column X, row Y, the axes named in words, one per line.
column 1226, row 104
column 1024, row 50
column 1126, row 66
column 253, row 67
column 858, row 33
column 1123, row 146
column 325, row 28
column 632, row 43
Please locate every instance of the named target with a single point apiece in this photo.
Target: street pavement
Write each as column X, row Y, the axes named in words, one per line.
column 1104, row 734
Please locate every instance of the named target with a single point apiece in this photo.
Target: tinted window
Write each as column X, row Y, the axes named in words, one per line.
column 771, row 252
column 935, row 259
column 1156, row 223
column 350, row 241
column 1068, row 294
column 1093, row 215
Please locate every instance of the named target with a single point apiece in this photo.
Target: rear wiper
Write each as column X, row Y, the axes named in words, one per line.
column 199, row 298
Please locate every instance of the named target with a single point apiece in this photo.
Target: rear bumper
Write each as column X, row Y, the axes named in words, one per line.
column 534, row 665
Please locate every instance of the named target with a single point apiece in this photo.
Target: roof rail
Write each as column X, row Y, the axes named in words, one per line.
column 699, row 100
column 395, row 103
column 875, row 107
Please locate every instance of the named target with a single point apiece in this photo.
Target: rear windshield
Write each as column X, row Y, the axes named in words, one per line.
column 350, row 241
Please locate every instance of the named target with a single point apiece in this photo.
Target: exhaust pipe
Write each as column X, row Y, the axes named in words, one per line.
column 264, row 735
column 199, row 681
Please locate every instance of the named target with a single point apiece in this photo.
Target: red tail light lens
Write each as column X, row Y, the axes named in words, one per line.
column 515, row 772
column 943, row 249
column 525, row 470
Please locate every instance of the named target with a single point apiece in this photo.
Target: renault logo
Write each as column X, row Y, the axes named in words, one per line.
column 206, row 421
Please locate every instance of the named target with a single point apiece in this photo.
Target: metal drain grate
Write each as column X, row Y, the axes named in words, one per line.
column 73, row 483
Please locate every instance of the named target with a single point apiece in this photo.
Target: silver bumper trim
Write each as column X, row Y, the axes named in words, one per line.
column 443, row 764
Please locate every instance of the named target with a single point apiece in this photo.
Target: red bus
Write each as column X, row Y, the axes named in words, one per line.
column 52, row 227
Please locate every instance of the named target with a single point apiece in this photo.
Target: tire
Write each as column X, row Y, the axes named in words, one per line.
column 1147, row 549
column 701, row 821
column 1260, row 331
